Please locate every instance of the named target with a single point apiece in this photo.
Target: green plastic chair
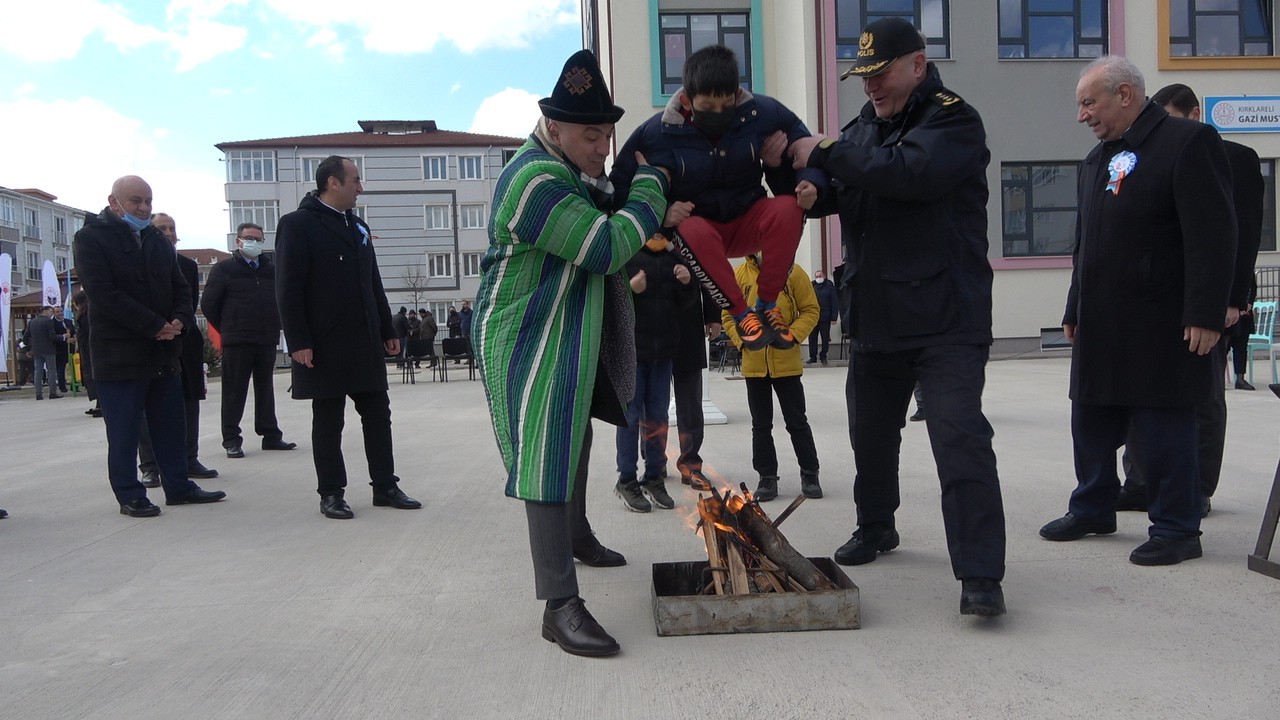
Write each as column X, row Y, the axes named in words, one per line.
column 1264, row 325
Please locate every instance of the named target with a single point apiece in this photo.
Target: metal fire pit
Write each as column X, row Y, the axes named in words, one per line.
column 679, row 609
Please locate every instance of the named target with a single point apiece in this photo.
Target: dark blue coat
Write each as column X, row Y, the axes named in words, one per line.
column 722, row 177
column 134, row 291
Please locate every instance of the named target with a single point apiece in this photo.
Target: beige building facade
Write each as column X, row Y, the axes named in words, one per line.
column 1016, row 61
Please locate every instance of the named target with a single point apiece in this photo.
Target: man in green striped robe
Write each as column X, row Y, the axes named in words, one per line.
column 552, row 330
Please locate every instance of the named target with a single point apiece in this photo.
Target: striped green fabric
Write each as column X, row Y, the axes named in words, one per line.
column 538, row 313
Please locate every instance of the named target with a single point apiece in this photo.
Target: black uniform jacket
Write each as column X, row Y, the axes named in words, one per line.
column 240, row 301
column 1150, row 260
column 134, row 291
column 331, row 300
column 912, row 197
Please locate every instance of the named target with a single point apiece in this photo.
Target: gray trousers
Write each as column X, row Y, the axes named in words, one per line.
column 552, row 529
column 46, row 369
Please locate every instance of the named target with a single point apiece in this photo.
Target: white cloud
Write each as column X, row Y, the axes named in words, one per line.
column 75, row 149
column 393, row 26
column 327, row 39
column 456, row 87
column 511, row 112
column 24, row 89
column 57, row 31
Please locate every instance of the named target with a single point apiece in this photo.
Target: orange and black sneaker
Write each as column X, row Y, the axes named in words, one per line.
column 755, row 333
column 782, row 337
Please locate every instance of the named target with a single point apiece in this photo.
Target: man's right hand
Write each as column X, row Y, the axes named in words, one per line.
column 303, row 357
column 802, row 148
column 171, row 330
column 677, row 212
column 639, row 282
column 1070, row 332
column 641, row 161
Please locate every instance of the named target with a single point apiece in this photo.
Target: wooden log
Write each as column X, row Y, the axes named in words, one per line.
column 773, row 544
column 741, row 585
column 710, row 537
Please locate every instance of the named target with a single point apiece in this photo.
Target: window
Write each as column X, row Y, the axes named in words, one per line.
column 251, row 166
column 683, row 33
column 33, row 266
column 60, row 229
column 435, row 167
column 472, row 217
column 309, row 165
column 437, row 217
column 931, row 18
column 1269, row 205
column 265, row 213
column 60, row 264
column 471, row 264
column 1039, row 208
column 470, row 167
column 507, row 154
column 31, row 216
column 439, row 265
column 1220, row 28
column 1053, row 28
column 440, row 311
column 8, row 214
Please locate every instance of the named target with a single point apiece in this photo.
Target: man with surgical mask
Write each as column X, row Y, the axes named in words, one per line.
column 240, row 302
column 141, row 304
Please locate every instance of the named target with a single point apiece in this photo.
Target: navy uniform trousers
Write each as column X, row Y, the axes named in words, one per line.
column 878, row 391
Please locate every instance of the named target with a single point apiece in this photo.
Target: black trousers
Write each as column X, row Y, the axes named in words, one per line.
column 552, row 530
column 1211, row 434
column 690, row 422
column 823, row 331
column 790, row 392
column 878, row 392
column 240, row 364
column 328, row 416
column 146, row 451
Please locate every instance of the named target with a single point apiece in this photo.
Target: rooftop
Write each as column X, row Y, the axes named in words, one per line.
column 382, row 133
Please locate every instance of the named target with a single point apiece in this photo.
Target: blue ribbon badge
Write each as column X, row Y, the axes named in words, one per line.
column 364, row 234
column 1121, row 165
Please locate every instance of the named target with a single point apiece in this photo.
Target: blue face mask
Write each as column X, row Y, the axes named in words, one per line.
column 135, row 224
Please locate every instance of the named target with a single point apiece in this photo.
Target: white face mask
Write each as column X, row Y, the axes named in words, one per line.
column 819, row 280
column 252, row 249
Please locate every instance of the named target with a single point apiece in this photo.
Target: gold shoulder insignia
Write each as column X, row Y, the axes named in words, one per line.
column 946, row 98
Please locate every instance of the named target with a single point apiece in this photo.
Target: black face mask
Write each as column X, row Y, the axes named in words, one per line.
column 713, row 123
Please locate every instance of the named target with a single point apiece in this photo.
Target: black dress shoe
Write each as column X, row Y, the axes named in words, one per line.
column 1242, row 384
column 589, row 551
column 235, row 451
column 196, row 497
column 1161, row 550
column 1132, row 497
column 1070, row 527
column 697, row 481
column 198, row 470
column 278, row 445
column 140, row 508
column 394, row 497
column 981, row 596
column 1206, row 506
column 151, row 479
column 866, row 544
column 3, row 513
column 918, row 416
column 334, row 506
column 577, row 633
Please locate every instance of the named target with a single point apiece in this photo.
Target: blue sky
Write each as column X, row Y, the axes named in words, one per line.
column 91, row 90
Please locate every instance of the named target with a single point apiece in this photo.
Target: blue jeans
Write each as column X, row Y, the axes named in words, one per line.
column 647, row 422
column 123, row 405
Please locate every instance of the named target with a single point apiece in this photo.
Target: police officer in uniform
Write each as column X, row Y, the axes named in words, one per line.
column 909, row 181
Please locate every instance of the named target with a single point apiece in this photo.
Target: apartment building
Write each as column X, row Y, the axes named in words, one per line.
column 427, row 198
column 34, row 227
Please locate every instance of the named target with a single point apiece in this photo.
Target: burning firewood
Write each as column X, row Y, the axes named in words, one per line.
column 747, row 553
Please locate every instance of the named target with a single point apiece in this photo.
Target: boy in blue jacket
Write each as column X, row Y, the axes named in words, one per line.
column 719, row 140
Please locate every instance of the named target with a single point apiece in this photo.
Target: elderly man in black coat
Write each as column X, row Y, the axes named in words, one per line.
column 338, row 326
column 1155, row 242
column 141, row 304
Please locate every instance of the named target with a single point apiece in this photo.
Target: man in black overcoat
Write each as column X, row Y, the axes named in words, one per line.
column 1155, row 252
column 193, row 382
column 141, row 304
column 337, row 325
column 1211, row 417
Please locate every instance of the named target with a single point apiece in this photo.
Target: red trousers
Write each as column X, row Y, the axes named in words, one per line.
column 771, row 226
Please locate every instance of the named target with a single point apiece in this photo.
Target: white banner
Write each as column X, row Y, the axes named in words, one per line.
column 52, row 294
column 6, row 298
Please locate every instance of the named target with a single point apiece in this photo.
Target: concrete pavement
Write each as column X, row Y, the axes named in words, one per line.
column 257, row 607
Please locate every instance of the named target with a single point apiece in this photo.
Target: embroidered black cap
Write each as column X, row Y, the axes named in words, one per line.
column 882, row 42
column 581, row 96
